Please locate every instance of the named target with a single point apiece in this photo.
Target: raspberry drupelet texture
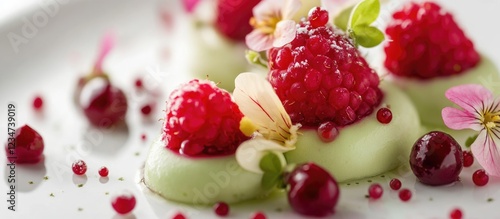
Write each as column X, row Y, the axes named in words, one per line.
column 202, row 120
column 233, row 18
column 425, row 42
column 321, row 77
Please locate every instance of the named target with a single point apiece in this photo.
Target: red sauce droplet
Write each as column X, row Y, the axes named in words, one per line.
column 375, row 191
column 395, row 184
column 179, row 216
column 468, row 159
column 146, row 109
column 79, row 167
column 480, row 178
column 103, row 171
column 405, row 195
column 327, row 132
column 258, row 215
column 456, row 214
column 124, row 203
column 384, row 115
column 221, row 209
column 37, row 103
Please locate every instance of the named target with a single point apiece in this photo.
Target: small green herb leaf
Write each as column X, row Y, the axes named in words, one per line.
column 367, row 36
column 470, row 140
column 365, row 13
column 342, row 19
column 255, row 58
column 270, row 163
column 270, row 180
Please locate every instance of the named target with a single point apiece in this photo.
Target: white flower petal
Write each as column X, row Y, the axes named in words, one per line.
column 258, row 101
column 284, row 33
column 290, row 9
column 258, row 41
column 249, row 153
column 267, row 8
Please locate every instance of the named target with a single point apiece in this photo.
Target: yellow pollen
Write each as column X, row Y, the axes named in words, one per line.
column 247, row 127
column 489, row 119
column 267, row 25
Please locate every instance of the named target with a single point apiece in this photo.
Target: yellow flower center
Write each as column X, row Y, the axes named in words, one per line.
column 490, row 119
column 267, row 25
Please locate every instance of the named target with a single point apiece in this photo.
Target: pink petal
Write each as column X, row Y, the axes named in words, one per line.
column 284, row 33
column 459, row 119
column 471, row 97
column 291, row 7
column 258, row 41
column 485, row 150
column 190, row 5
column 267, row 8
column 106, row 45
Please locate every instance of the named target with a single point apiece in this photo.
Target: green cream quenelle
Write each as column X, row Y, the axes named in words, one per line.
column 367, row 147
column 429, row 95
column 199, row 181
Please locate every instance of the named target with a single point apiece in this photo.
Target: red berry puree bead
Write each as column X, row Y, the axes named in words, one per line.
column 28, row 146
column 221, row 209
column 258, row 215
column 395, row 184
column 146, row 109
column 384, row 115
column 138, row 83
column 37, row 103
column 480, row 178
column 405, row 195
column 468, row 159
column 328, row 132
column 375, row 191
column 123, row 203
column 103, row 171
column 179, row 216
column 143, row 137
column 318, row 17
column 79, row 167
column 456, row 214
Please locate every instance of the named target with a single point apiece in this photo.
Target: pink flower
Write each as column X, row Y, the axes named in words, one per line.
column 273, row 24
column 480, row 112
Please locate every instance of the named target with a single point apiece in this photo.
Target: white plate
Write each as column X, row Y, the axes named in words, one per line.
column 62, row 44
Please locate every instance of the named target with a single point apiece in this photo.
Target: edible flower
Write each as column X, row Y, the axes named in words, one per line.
column 273, row 24
column 265, row 114
column 480, row 111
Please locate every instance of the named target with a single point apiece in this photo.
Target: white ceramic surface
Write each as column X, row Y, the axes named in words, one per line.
column 62, row 43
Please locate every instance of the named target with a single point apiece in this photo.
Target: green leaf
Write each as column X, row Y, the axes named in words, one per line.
column 342, row 19
column 270, row 180
column 365, row 13
column 367, row 36
column 255, row 58
column 470, row 140
column 271, row 163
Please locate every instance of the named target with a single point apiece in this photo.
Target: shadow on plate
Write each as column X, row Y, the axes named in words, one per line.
column 105, row 141
column 26, row 177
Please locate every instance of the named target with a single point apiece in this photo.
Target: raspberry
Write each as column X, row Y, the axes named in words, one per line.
column 202, row 119
column 426, row 42
column 233, row 18
column 321, row 77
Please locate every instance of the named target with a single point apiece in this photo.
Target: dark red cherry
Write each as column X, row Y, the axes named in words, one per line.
column 313, row 191
column 103, row 104
column 25, row 146
column 436, row 159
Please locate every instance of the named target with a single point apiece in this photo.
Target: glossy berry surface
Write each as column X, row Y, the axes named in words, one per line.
column 317, row 17
column 79, row 167
column 456, row 214
column 405, row 195
column 313, row 191
column 258, row 215
column 321, row 77
column 395, row 184
column 103, row 104
column 28, row 146
column 103, row 171
column 123, row 203
column 221, row 209
column 233, row 16
column 37, row 103
column 436, row 159
column 327, row 131
column 426, row 42
column 384, row 115
column 480, row 178
column 375, row 191
column 468, row 158
column 202, row 119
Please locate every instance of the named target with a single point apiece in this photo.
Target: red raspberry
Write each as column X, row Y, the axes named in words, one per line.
column 233, row 17
column 425, row 42
column 320, row 76
column 202, row 119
